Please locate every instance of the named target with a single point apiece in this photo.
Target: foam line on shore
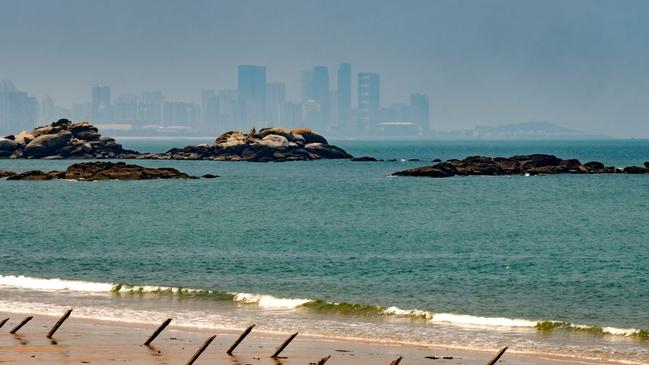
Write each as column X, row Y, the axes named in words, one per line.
column 26, row 282
column 265, row 301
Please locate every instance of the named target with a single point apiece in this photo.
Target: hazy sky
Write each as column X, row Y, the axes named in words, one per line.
column 581, row 64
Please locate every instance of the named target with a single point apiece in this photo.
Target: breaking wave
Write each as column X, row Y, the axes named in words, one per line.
column 315, row 305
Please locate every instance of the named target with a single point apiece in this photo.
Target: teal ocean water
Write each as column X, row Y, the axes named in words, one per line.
column 546, row 264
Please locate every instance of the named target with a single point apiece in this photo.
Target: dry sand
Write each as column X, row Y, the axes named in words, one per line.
column 84, row 341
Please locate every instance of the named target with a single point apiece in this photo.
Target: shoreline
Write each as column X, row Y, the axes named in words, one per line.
column 109, row 341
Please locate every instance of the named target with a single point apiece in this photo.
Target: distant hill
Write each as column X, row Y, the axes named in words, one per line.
column 532, row 130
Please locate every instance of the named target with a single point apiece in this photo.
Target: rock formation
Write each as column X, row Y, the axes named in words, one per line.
column 364, row 159
column 63, row 139
column 4, row 173
column 537, row 164
column 90, row 171
column 265, row 145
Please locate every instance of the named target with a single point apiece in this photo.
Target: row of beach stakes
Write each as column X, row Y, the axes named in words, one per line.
column 208, row 341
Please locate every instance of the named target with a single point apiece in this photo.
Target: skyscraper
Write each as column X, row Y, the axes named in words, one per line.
column 228, row 110
column 48, row 109
column 101, row 107
column 209, row 110
column 149, row 112
column 344, row 96
column 420, row 111
column 369, row 102
column 180, row 114
column 275, row 98
column 18, row 111
column 321, row 93
column 252, row 95
column 311, row 114
column 125, row 109
column 307, row 85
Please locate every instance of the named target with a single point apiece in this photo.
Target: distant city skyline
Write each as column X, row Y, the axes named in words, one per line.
column 324, row 105
column 582, row 64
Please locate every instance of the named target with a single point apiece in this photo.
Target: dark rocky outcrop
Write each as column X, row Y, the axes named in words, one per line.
column 121, row 171
column 364, row 159
column 594, row 166
column 265, row 145
column 63, row 139
column 37, row 175
column 4, row 173
column 90, row 171
column 536, row 164
column 635, row 170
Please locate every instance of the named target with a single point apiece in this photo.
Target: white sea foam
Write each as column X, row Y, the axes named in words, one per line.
column 620, row 331
column 26, row 282
column 395, row 311
column 464, row 319
column 269, row 301
column 153, row 289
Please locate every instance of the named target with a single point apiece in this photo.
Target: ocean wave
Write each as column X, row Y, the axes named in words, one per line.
column 266, row 301
column 26, row 282
column 481, row 321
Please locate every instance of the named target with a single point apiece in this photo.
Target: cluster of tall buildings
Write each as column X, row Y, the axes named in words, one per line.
column 255, row 103
column 17, row 109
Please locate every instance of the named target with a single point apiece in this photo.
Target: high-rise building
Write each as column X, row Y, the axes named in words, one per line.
column 228, row 110
column 209, row 110
column 101, row 104
column 275, row 98
column 311, row 114
column 82, row 111
column 149, row 111
column 291, row 115
column 369, row 102
column 420, row 108
column 344, row 96
column 180, row 114
column 125, row 109
column 307, row 85
column 252, row 95
column 18, row 111
column 321, row 93
column 48, row 109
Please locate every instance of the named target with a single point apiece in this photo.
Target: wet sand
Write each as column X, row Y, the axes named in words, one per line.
column 85, row 341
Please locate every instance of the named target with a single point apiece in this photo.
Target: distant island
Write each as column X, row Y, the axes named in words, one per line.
column 64, row 139
column 519, row 131
column 536, row 164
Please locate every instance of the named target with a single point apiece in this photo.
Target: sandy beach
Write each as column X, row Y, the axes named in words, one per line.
column 108, row 342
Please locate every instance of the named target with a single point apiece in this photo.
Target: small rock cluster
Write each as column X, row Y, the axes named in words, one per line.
column 90, row 171
column 265, row 145
column 537, row 164
column 63, row 139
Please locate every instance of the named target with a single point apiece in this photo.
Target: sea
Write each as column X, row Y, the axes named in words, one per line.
column 553, row 265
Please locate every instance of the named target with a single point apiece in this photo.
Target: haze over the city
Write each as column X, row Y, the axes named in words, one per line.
column 583, row 65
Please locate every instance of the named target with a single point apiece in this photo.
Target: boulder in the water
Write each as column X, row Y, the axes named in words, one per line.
column 37, row 175
column 364, row 159
column 536, row 164
column 5, row 173
column 90, row 171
